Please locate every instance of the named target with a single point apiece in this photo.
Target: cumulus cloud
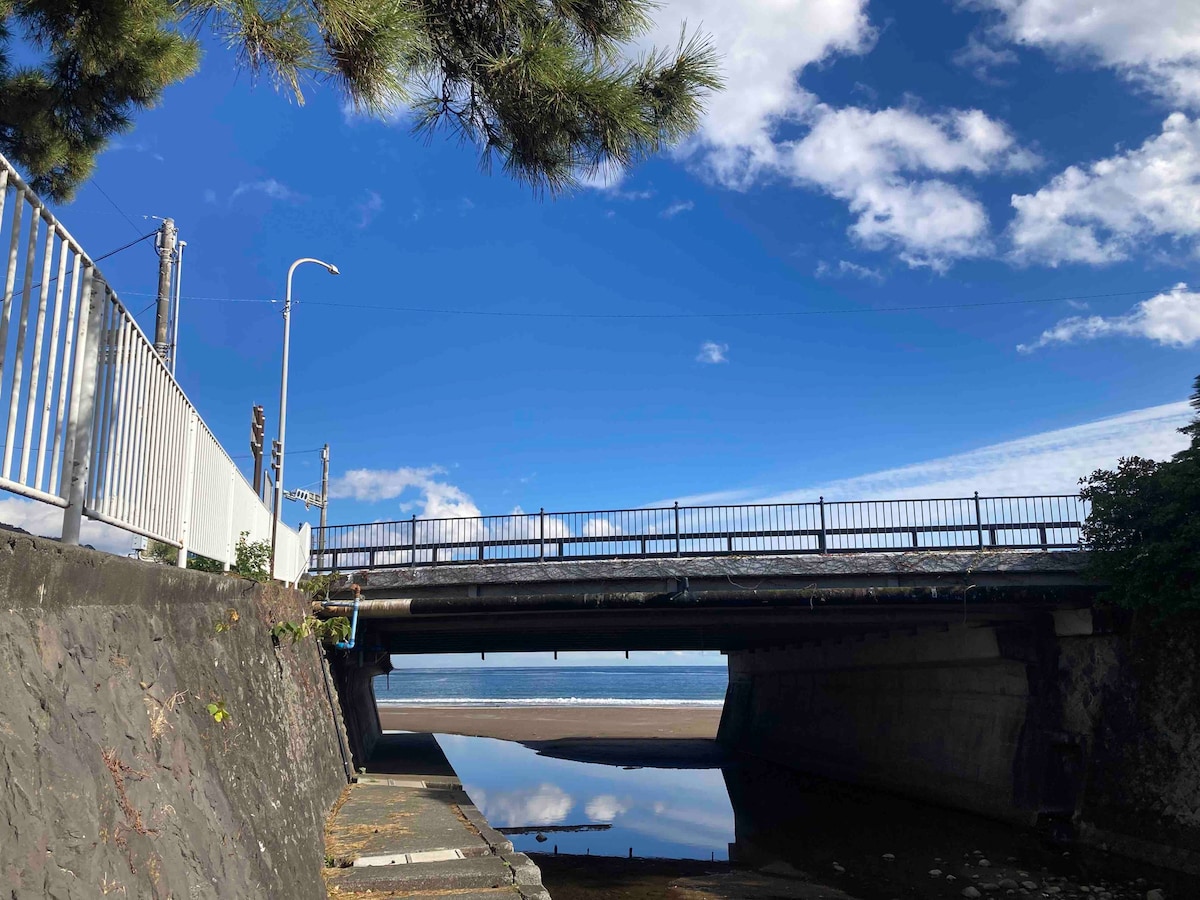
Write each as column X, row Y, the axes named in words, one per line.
column 876, row 160
column 439, row 500
column 712, row 353
column 1100, row 213
column 547, row 804
column 891, row 166
column 1154, row 43
column 764, row 46
column 605, row 808
column 1171, row 319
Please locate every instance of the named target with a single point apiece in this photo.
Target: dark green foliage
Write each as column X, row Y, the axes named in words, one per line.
column 98, row 63
column 1144, row 527
column 204, row 564
column 545, row 85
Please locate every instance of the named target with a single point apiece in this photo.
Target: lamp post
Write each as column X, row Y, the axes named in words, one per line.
column 283, row 385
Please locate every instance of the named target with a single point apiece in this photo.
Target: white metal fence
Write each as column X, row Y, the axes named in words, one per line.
column 93, row 421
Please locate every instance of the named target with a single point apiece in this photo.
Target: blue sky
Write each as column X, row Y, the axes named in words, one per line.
column 865, row 156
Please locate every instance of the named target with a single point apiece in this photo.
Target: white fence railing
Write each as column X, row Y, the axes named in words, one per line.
column 93, row 421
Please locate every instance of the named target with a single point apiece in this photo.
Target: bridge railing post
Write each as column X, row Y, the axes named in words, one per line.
column 542, row 534
column 978, row 522
column 677, row 528
column 822, row 542
column 413, row 558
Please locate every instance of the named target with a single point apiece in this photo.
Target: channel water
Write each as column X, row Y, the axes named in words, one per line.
column 609, row 818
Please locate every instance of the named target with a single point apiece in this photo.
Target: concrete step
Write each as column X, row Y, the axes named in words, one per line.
column 465, row 894
column 382, row 820
column 480, row 873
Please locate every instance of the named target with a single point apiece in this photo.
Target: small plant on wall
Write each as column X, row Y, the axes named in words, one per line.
column 252, row 559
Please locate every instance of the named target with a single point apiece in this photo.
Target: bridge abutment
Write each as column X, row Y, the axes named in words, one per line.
column 1075, row 721
column 354, row 672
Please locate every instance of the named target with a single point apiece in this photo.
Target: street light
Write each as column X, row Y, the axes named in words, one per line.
column 287, row 335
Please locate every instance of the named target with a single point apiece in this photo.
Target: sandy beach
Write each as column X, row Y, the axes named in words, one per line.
column 556, row 723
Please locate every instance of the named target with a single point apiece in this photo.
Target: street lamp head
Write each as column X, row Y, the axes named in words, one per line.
column 333, row 270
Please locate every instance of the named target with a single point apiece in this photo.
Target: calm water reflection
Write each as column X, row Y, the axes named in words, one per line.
column 874, row 846
column 672, row 813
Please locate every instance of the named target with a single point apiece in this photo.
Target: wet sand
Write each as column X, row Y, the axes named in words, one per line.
column 555, row 723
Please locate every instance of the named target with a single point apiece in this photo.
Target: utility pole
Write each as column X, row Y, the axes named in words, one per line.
column 165, row 244
column 321, row 500
column 324, row 490
column 257, row 427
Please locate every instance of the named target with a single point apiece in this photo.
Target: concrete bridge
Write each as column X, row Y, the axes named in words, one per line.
column 933, row 648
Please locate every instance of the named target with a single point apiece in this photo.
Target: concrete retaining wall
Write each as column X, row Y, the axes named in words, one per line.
column 117, row 779
column 1082, row 725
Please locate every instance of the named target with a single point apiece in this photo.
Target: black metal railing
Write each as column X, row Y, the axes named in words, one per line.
column 1052, row 522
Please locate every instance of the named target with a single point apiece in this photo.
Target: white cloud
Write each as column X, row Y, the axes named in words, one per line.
column 1047, row 463
column 605, row 808
column 679, row 206
column 875, row 161
column 1102, row 212
column 439, row 499
column 1171, row 319
column 843, row 267
column 711, row 352
column 547, row 804
column 46, row 521
column 890, row 166
column 368, row 208
column 1155, row 43
column 268, row 187
column 981, row 58
column 601, row 528
column 764, row 46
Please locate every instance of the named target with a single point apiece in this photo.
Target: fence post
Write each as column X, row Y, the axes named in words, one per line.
column 677, row 528
column 412, row 562
column 821, row 539
column 542, row 534
column 83, row 405
column 189, row 484
column 978, row 521
column 229, row 541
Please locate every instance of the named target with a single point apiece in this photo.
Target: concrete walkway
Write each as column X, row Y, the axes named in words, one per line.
column 407, row 829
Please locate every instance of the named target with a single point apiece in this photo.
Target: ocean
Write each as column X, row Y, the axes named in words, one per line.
column 555, row 686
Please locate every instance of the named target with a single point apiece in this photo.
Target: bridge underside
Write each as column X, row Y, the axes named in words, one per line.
column 706, row 603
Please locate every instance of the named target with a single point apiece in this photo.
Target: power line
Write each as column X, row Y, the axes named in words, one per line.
column 132, row 224
column 54, row 278
column 713, row 315
column 285, row 452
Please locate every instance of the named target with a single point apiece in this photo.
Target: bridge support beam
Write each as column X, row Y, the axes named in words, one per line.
column 354, row 672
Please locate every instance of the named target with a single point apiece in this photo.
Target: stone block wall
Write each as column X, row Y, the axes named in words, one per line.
column 117, row 780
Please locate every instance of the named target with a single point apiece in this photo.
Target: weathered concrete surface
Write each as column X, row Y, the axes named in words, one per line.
column 1069, row 720
column 117, row 780
column 704, row 603
column 398, row 833
column 1137, row 693
column 818, row 570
